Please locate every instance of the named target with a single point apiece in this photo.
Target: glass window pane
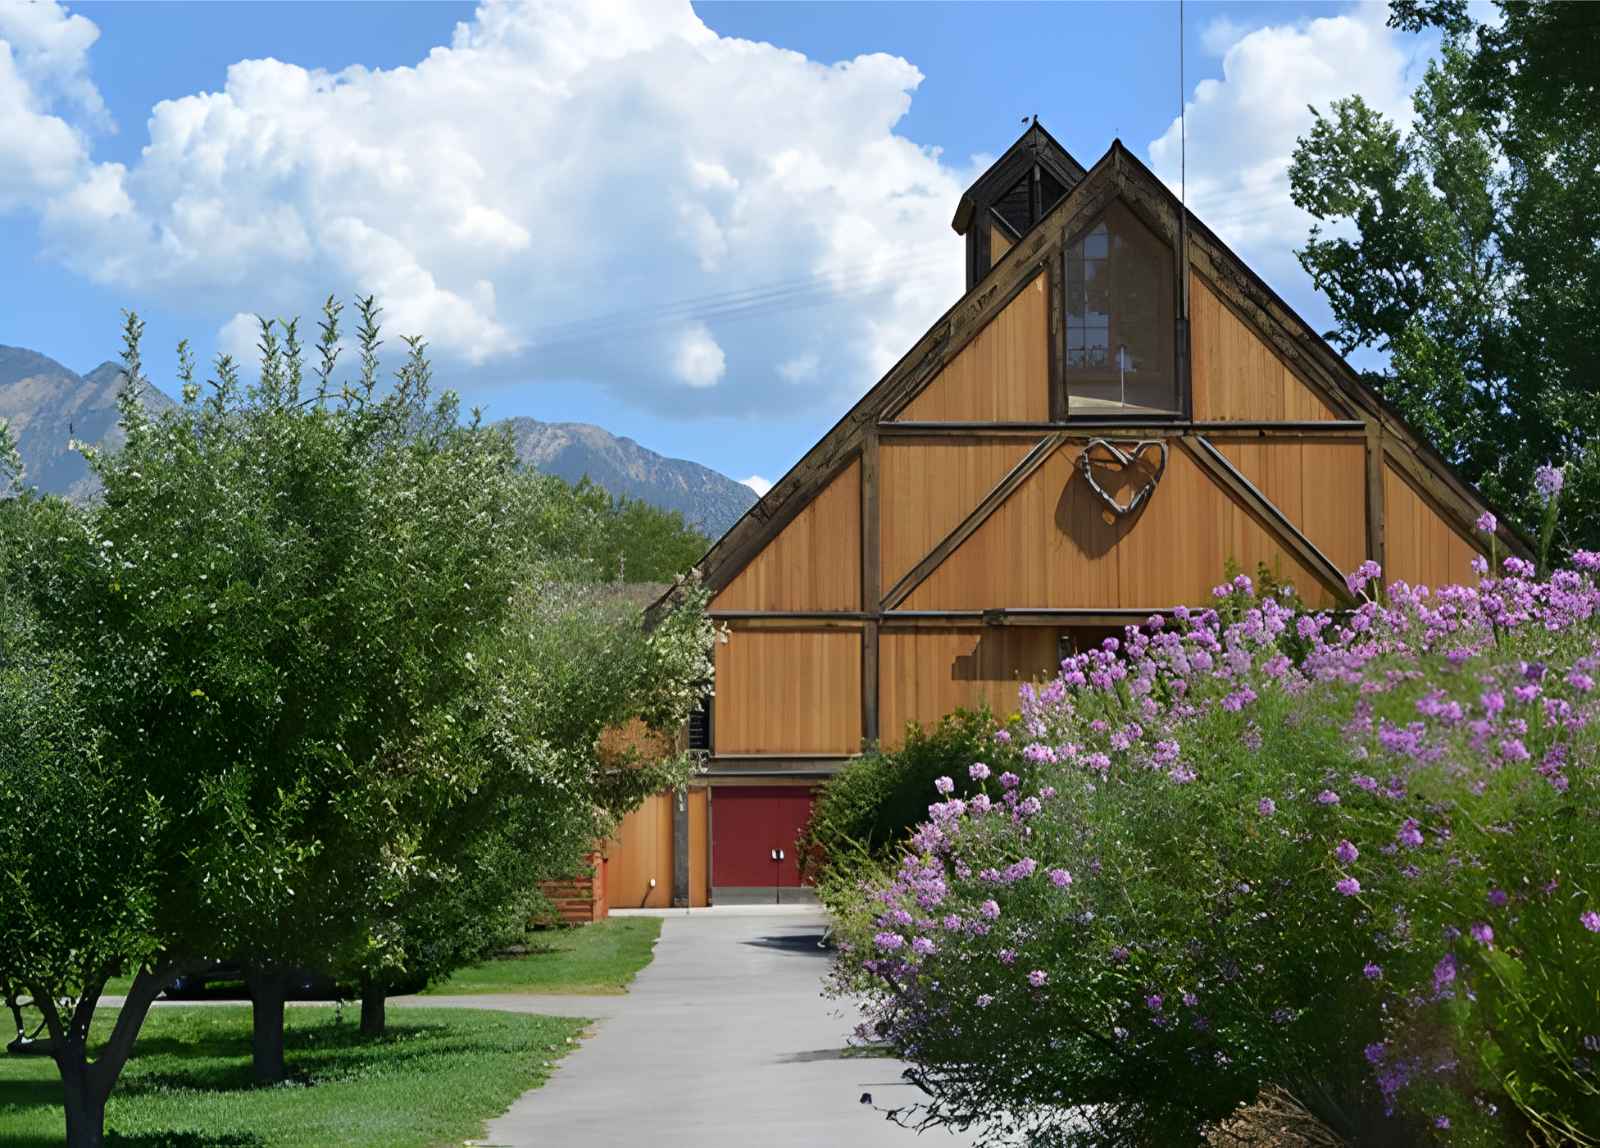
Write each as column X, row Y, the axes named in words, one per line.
column 1120, row 319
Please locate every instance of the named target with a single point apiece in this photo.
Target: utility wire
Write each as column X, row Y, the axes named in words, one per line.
column 809, row 291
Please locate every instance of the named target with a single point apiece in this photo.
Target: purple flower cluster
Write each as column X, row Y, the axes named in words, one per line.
column 1450, row 724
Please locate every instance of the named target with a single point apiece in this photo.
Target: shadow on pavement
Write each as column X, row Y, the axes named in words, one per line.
column 807, row 943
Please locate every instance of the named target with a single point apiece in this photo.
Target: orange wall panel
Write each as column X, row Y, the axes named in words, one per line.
column 924, row 674
column 928, row 488
column 1003, row 375
column 1050, row 546
column 788, row 691
column 1237, row 376
column 1420, row 546
column 1320, row 485
column 815, row 561
column 642, row 850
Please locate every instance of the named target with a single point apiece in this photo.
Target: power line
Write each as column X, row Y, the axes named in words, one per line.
column 808, row 291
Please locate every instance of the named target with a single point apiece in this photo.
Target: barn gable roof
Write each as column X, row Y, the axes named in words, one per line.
column 1120, row 175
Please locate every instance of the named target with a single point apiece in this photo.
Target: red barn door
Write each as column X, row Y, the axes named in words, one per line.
column 748, row 823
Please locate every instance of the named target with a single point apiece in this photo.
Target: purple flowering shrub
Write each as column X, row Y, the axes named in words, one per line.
column 1355, row 856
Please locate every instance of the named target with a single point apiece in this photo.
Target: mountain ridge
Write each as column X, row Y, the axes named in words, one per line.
column 48, row 404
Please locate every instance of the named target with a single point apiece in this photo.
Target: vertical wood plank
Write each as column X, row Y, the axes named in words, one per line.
column 1058, row 336
column 1375, row 505
column 870, row 546
column 699, row 847
column 871, row 582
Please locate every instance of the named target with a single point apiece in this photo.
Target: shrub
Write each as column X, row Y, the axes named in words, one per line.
column 1356, row 858
column 867, row 810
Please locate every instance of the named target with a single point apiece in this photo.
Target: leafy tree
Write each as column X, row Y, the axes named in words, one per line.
column 638, row 542
column 278, row 620
column 1462, row 248
column 570, row 662
column 10, row 459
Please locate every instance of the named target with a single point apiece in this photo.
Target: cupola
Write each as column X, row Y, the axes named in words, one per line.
column 1014, row 194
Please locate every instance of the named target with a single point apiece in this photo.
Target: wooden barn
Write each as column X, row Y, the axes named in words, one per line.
column 1115, row 412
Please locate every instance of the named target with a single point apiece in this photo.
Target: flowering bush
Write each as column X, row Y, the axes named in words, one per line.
column 1356, row 857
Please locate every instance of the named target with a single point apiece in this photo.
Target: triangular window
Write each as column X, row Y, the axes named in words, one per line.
column 1121, row 353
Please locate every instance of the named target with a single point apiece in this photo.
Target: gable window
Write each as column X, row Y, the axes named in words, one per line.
column 1121, row 354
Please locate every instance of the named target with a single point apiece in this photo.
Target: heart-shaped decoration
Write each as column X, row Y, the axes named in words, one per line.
column 1128, row 458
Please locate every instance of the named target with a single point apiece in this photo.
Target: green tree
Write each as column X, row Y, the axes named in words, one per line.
column 277, row 619
column 1462, row 248
column 638, row 542
column 570, row 661
column 78, row 867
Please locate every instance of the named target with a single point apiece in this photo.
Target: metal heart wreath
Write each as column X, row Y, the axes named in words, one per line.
column 1126, row 461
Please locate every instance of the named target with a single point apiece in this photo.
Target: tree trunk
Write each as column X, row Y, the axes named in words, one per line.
column 85, row 1103
column 267, row 991
column 373, row 991
column 85, row 1086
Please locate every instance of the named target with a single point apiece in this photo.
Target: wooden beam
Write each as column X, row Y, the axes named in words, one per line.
column 1089, row 428
column 788, row 615
column 1375, row 505
column 771, row 772
column 869, row 684
column 1085, row 616
column 752, row 620
column 1058, row 336
column 871, row 582
column 871, row 535
column 1030, row 462
column 1231, row 479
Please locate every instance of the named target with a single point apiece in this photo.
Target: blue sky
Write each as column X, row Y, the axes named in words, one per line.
column 708, row 228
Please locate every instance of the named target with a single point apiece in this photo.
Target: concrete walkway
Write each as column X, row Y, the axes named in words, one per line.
column 724, row 1040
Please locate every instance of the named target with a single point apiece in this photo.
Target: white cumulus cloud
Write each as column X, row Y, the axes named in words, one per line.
column 699, row 362
column 47, row 102
column 758, row 484
column 594, row 190
column 1242, row 128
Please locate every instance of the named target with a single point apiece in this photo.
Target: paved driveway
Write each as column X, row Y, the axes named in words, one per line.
column 724, row 1040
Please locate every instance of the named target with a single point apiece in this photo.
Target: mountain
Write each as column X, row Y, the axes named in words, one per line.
column 709, row 500
column 47, row 405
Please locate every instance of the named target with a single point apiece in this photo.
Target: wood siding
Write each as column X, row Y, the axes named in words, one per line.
column 642, row 850
column 1049, row 546
column 579, row 900
column 1235, row 374
column 699, row 847
column 1319, row 484
column 791, row 691
column 638, row 738
column 1420, row 546
column 927, row 673
column 814, row 563
column 927, row 487
column 1003, row 375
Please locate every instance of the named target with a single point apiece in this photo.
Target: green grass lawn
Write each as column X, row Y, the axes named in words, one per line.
column 434, row 1080
column 601, row 958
